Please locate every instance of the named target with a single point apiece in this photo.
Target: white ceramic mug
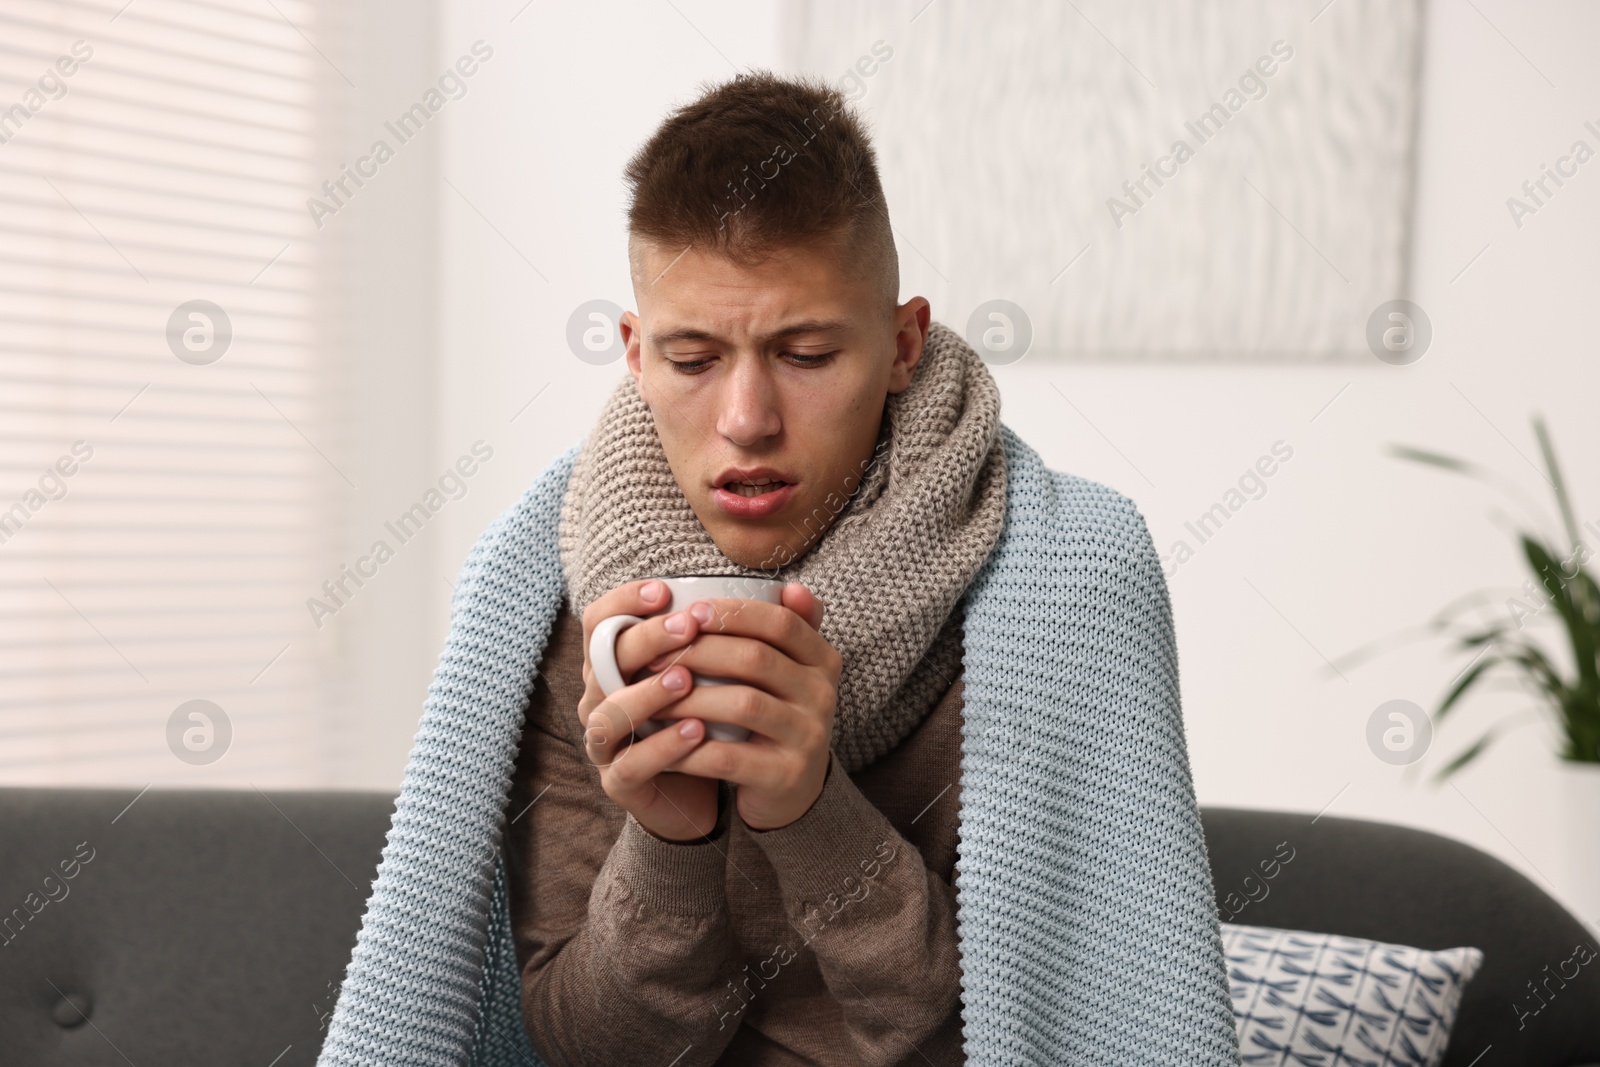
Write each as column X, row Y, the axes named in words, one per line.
column 684, row 590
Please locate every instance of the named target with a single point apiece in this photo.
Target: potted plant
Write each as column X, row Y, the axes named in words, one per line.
column 1562, row 591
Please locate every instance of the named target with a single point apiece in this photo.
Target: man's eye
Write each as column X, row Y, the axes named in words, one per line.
column 811, row 361
column 694, row 366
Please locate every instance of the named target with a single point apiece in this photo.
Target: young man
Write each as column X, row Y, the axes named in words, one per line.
column 973, row 660
column 767, row 346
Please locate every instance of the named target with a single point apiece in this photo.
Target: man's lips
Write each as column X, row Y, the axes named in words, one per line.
column 753, row 474
column 763, row 499
column 752, row 492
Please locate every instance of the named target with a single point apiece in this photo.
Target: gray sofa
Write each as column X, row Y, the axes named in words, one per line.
column 212, row 927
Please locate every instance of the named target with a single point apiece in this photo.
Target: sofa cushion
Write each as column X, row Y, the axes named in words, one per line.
column 1301, row 997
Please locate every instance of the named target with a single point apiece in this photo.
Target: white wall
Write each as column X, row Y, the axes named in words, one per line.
column 382, row 318
column 1346, row 546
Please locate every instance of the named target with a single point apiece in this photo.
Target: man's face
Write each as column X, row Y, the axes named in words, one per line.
column 778, row 371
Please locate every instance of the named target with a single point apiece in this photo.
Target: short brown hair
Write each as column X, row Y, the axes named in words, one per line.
column 760, row 163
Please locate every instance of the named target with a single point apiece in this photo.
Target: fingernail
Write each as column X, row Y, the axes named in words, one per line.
column 676, row 623
column 673, row 679
column 690, row 728
column 653, row 590
column 701, row 611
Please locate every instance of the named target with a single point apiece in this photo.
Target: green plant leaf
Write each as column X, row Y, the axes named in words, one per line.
column 1440, row 623
column 1501, row 641
column 1485, row 637
column 1466, row 682
column 1556, row 480
column 1537, row 665
column 1438, row 459
column 1468, row 469
column 1467, row 755
column 1581, row 635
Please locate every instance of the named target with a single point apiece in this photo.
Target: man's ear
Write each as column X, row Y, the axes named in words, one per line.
column 910, row 337
column 631, row 334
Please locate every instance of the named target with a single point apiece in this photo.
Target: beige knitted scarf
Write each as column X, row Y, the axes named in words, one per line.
column 890, row 569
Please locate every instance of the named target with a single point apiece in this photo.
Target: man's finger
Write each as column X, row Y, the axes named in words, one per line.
column 744, row 659
column 776, row 624
column 652, row 755
column 641, row 597
column 749, row 763
column 803, row 602
column 613, row 720
column 649, row 640
column 749, row 706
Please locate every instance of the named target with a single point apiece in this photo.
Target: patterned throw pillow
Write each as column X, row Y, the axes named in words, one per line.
column 1303, row 998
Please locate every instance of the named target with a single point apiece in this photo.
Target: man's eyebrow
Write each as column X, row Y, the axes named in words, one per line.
column 691, row 333
column 686, row 333
column 811, row 326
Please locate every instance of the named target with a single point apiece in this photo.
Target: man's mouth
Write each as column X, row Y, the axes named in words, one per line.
column 756, row 487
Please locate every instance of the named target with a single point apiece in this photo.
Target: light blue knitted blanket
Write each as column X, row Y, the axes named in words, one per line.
column 1088, row 930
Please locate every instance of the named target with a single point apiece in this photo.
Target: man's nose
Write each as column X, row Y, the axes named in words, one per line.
column 748, row 407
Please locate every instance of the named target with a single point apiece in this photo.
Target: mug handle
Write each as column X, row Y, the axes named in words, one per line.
column 603, row 651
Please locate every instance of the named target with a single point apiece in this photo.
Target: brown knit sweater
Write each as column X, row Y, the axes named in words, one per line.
column 830, row 941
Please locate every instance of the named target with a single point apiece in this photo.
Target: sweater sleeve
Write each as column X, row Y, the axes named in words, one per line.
column 623, row 939
column 881, row 924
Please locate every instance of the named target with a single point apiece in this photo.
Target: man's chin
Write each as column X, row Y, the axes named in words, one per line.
column 762, row 549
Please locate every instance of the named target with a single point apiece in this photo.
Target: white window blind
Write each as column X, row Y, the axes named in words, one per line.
column 163, row 519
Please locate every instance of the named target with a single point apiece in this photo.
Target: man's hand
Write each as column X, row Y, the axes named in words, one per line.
column 788, row 704
column 676, row 807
